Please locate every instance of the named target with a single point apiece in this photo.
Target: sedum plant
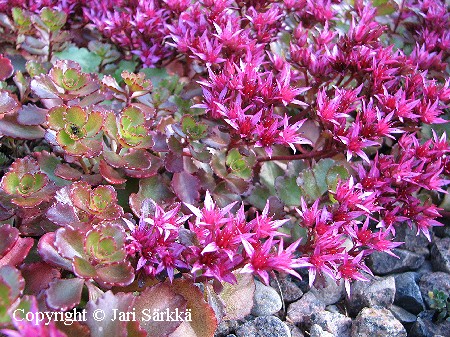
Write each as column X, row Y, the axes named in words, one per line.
column 160, row 155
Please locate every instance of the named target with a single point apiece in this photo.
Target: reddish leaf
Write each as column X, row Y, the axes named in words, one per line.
column 17, row 253
column 111, row 175
column 9, row 236
column 186, row 187
column 38, row 276
column 49, row 254
column 8, row 103
column 159, row 298
column 66, row 172
column 203, row 322
column 6, row 68
column 30, row 114
column 107, row 307
column 64, row 294
column 9, row 126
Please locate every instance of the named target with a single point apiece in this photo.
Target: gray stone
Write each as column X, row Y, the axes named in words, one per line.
column 264, row 326
column 425, row 327
column 226, row 327
column 405, row 317
column 289, row 290
column 440, row 255
column 266, row 300
column 335, row 323
column 377, row 322
column 295, row 331
column 231, row 335
column 428, row 282
column 407, row 293
column 300, row 311
column 412, row 242
column 382, row 263
column 426, row 268
column 379, row 291
column 330, row 292
column 317, row 331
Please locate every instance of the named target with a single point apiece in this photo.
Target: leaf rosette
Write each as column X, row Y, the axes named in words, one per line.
column 78, row 131
column 130, row 128
column 26, row 185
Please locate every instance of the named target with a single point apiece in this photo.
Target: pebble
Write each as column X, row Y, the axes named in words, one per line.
column 405, row 317
column 264, row 326
column 379, row 291
column 412, row 242
column 317, row 331
column 334, row 323
column 331, row 292
column 290, row 291
column 226, row 327
column 266, row 300
column 407, row 293
column 300, row 311
column 295, row 331
column 440, row 255
column 428, row 282
column 425, row 327
column 382, row 263
column 377, row 322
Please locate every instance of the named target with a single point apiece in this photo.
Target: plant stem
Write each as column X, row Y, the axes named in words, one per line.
column 308, row 155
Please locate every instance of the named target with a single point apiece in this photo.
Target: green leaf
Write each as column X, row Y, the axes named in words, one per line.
column 155, row 75
column 10, row 182
column 239, row 164
column 269, row 172
column 288, row 191
column 195, row 130
column 123, row 65
column 321, row 178
column 53, row 19
column 88, row 61
column 64, row 294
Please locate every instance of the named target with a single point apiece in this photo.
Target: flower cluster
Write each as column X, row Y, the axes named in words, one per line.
column 217, row 243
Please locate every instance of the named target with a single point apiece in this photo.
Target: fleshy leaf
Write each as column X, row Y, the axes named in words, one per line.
column 30, row 114
column 288, row 191
column 159, row 298
column 118, row 274
column 38, row 276
column 186, row 187
column 238, row 298
column 64, row 294
column 18, row 252
column 8, row 103
column 9, row 126
column 49, row 254
column 6, row 68
column 154, row 188
column 110, row 305
column 203, row 322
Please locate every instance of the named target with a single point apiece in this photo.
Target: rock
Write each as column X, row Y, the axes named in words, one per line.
column 426, row 268
column 412, row 242
column 231, row 335
column 428, row 282
column 300, row 311
column 317, row 331
column 377, row 322
column 295, row 332
column 334, row 323
column 407, row 293
column 226, row 327
column 266, row 300
column 425, row 327
column 331, row 292
column 264, row 326
column 405, row 317
column 379, row 291
column 289, row 290
column 382, row 263
column 440, row 255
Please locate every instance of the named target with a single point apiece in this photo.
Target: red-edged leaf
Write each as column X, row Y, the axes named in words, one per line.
column 9, row 236
column 9, row 126
column 108, row 307
column 17, row 253
column 66, row 172
column 64, row 294
column 8, row 103
column 186, row 187
column 159, row 298
column 155, row 188
column 203, row 322
column 110, row 174
column 174, row 162
column 38, row 276
column 30, row 114
column 12, row 277
column 69, row 242
column 49, row 254
column 6, row 68
column 118, row 274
